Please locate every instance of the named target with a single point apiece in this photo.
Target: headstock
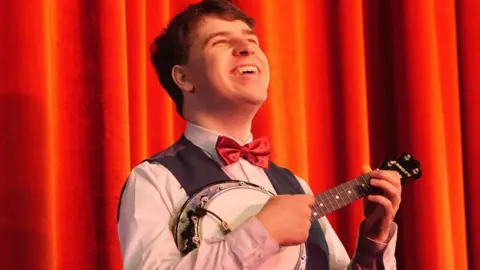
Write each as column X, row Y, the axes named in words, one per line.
column 406, row 165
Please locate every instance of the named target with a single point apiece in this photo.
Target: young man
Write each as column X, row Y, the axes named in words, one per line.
column 210, row 62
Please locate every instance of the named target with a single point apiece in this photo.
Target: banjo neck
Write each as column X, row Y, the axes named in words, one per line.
column 359, row 187
column 341, row 196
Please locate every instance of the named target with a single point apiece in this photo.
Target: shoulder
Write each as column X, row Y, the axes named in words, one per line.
column 152, row 183
column 152, row 173
column 148, row 171
column 170, row 152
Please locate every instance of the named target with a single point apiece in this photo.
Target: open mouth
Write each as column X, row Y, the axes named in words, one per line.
column 245, row 70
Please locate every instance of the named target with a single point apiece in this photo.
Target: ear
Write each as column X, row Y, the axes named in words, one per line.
column 181, row 79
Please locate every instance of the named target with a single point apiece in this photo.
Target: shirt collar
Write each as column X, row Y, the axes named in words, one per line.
column 206, row 139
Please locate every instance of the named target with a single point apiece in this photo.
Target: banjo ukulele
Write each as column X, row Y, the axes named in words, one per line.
column 204, row 214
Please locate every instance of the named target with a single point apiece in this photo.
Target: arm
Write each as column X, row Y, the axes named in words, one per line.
column 151, row 198
column 369, row 254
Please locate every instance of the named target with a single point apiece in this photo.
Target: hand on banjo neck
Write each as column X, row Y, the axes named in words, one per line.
column 287, row 218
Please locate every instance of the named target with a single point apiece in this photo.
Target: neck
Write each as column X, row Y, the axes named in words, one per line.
column 342, row 195
column 232, row 124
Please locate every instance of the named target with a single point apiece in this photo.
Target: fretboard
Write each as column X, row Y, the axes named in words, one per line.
column 340, row 196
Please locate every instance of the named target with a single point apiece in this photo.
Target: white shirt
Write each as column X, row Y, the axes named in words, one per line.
column 153, row 197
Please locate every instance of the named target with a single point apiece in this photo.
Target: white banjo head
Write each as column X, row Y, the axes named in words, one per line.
column 233, row 202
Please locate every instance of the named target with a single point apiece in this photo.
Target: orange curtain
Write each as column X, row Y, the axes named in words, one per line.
column 353, row 82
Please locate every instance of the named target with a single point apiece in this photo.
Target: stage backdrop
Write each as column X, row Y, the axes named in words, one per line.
column 353, row 82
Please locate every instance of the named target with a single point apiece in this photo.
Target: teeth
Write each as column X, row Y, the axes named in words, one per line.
column 243, row 69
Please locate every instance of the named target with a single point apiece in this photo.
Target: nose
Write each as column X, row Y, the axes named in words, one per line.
column 243, row 48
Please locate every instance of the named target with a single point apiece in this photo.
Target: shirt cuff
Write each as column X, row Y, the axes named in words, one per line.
column 371, row 254
column 251, row 243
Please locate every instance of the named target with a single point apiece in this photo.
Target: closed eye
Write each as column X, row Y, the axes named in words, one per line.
column 220, row 41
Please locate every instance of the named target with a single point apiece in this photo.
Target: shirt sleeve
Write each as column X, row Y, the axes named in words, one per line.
column 369, row 254
column 151, row 198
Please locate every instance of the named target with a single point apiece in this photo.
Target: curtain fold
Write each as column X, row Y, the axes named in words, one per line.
column 469, row 62
column 352, row 83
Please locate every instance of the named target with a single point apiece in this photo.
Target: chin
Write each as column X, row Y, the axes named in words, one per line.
column 258, row 99
column 251, row 95
column 253, row 91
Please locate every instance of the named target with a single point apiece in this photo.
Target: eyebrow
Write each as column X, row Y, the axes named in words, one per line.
column 246, row 32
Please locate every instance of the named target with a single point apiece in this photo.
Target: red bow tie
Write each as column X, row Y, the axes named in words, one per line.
column 256, row 152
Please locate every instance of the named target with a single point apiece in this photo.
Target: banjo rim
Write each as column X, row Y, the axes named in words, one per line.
column 231, row 184
column 206, row 187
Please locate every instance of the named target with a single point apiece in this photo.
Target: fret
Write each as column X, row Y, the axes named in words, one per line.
column 318, row 210
column 333, row 198
column 360, row 187
column 328, row 201
column 344, row 200
column 314, row 215
column 321, row 205
column 332, row 208
column 369, row 188
column 314, row 209
column 320, row 198
column 354, row 190
column 348, row 192
column 357, row 189
column 340, row 196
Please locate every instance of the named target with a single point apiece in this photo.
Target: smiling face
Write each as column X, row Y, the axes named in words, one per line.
column 226, row 67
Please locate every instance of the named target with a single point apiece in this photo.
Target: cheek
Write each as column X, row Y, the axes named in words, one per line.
column 195, row 66
column 264, row 59
column 217, row 70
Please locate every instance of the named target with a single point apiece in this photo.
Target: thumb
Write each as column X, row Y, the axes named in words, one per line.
column 366, row 168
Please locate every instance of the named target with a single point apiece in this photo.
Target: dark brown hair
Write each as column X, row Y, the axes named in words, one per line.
column 172, row 46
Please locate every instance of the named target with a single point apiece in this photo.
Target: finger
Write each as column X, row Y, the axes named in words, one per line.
column 306, row 211
column 307, row 199
column 386, row 186
column 311, row 200
column 366, row 168
column 391, row 192
column 385, row 203
column 307, row 225
column 391, row 176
